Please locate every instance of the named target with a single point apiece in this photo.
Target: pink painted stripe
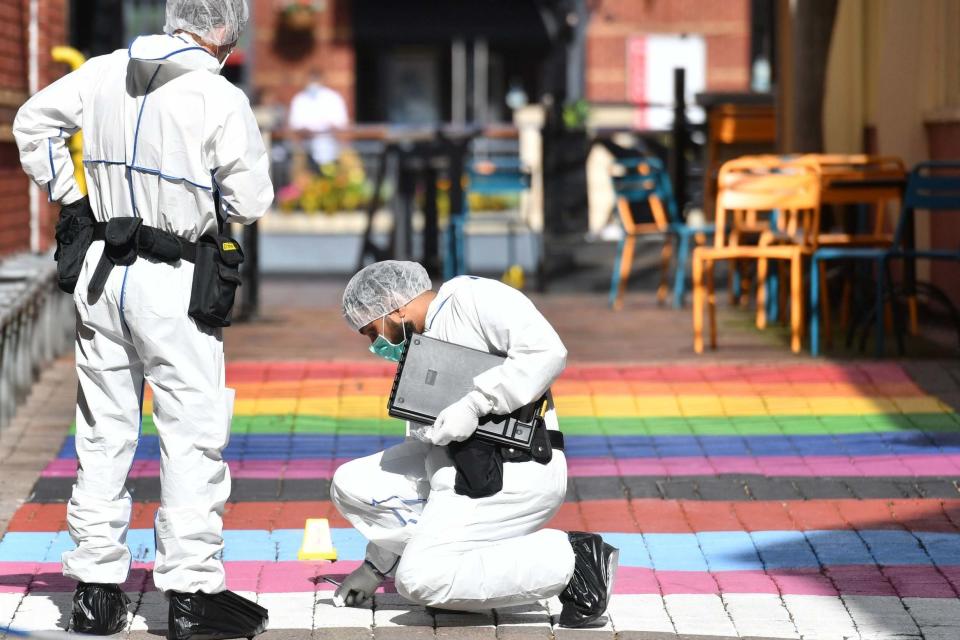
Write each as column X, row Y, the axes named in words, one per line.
column 877, row 373
column 287, row 577
column 772, row 466
column 269, row 469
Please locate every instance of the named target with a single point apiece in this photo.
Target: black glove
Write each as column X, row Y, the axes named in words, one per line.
column 357, row 587
column 79, row 208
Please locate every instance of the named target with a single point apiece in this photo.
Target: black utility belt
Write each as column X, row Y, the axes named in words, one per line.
column 537, row 451
column 216, row 258
column 154, row 243
column 479, row 462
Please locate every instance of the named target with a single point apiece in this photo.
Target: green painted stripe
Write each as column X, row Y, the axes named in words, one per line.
column 700, row 426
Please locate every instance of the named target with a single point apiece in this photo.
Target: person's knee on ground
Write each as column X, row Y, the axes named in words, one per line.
column 424, row 580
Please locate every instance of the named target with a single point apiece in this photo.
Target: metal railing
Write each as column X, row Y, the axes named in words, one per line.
column 37, row 322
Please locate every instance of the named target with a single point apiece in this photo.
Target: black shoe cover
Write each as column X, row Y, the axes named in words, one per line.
column 99, row 609
column 217, row 616
column 586, row 597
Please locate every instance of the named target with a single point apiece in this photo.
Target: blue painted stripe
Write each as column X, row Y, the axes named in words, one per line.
column 303, row 446
column 704, row 551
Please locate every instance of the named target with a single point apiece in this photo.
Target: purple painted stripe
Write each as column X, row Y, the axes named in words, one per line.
column 288, row 577
column 772, row 466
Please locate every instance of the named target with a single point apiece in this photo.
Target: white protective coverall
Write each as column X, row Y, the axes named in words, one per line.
column 162, row 131
column 452, row 551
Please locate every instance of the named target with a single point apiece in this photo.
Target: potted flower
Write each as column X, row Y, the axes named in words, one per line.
column 299, row 15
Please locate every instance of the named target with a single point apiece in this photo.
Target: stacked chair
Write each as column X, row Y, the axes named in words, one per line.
column 644, row 180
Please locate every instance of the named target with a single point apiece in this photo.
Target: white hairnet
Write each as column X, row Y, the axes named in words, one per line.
column 381, row 288
column 217, row 22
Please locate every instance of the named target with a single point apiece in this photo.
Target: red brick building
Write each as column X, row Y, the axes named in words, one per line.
column 362, row 45
column 15, row 57
column 725, row 27
column 352, row 41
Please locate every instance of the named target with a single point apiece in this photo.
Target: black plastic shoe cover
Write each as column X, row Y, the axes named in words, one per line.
column 99, row 609
column 218, row 616
column 586, row 597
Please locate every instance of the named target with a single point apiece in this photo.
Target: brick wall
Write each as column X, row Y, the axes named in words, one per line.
column 284, row 60
column 14, row 202
column 14, row 185
column 725, row 27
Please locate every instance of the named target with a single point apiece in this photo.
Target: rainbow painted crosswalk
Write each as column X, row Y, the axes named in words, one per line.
column 781, row 501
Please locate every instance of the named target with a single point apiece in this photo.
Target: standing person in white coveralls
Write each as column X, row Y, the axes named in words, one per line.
column 445, row 549
column 171, row 151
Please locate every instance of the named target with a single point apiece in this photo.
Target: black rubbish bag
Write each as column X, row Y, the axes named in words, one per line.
column 218, row 616
column 587, row 595
column 99, row 609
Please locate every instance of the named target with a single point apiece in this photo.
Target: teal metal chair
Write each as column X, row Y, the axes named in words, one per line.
column 500, row 176
column 933, row 186
column 645, row 180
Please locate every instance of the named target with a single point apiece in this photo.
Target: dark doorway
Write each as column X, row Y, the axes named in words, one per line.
column 423, row 62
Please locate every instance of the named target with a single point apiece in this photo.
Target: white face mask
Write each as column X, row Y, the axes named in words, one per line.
column 224, row 61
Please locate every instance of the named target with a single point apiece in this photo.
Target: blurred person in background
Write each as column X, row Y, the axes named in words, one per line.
column 316, row 114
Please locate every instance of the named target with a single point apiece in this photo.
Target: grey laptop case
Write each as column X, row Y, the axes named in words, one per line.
column 434, row 374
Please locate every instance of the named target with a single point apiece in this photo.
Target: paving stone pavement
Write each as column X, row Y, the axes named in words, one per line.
column 787, row 498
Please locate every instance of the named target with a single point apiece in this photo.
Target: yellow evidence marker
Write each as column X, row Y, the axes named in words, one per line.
column 317, row 543
column 514, row 277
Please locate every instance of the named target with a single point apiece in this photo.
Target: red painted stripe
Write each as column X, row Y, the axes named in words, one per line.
column 621, row 516
column 869, row 373
column 910, row 466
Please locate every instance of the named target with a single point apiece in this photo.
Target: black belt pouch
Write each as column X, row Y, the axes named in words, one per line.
column 216, row 277
column 74, row 234
column 479, row 468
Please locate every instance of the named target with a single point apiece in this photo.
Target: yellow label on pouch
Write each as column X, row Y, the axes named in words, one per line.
column 229, row 246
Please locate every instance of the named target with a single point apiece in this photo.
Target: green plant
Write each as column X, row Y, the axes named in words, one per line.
column 575, row 114
column 340, row 186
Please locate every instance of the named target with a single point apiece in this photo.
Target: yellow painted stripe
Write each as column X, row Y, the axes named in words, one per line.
column 615, row 406
column 381, row 386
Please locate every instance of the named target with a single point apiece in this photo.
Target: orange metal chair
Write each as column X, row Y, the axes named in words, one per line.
column 755, row 193
column 640, row 183
column 735, row 130
column 746, row 227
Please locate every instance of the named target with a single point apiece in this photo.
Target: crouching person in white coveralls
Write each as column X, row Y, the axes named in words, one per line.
column 171, row 151
column 443, row 548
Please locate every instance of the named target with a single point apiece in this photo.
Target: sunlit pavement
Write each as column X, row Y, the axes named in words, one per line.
column 791, row 498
